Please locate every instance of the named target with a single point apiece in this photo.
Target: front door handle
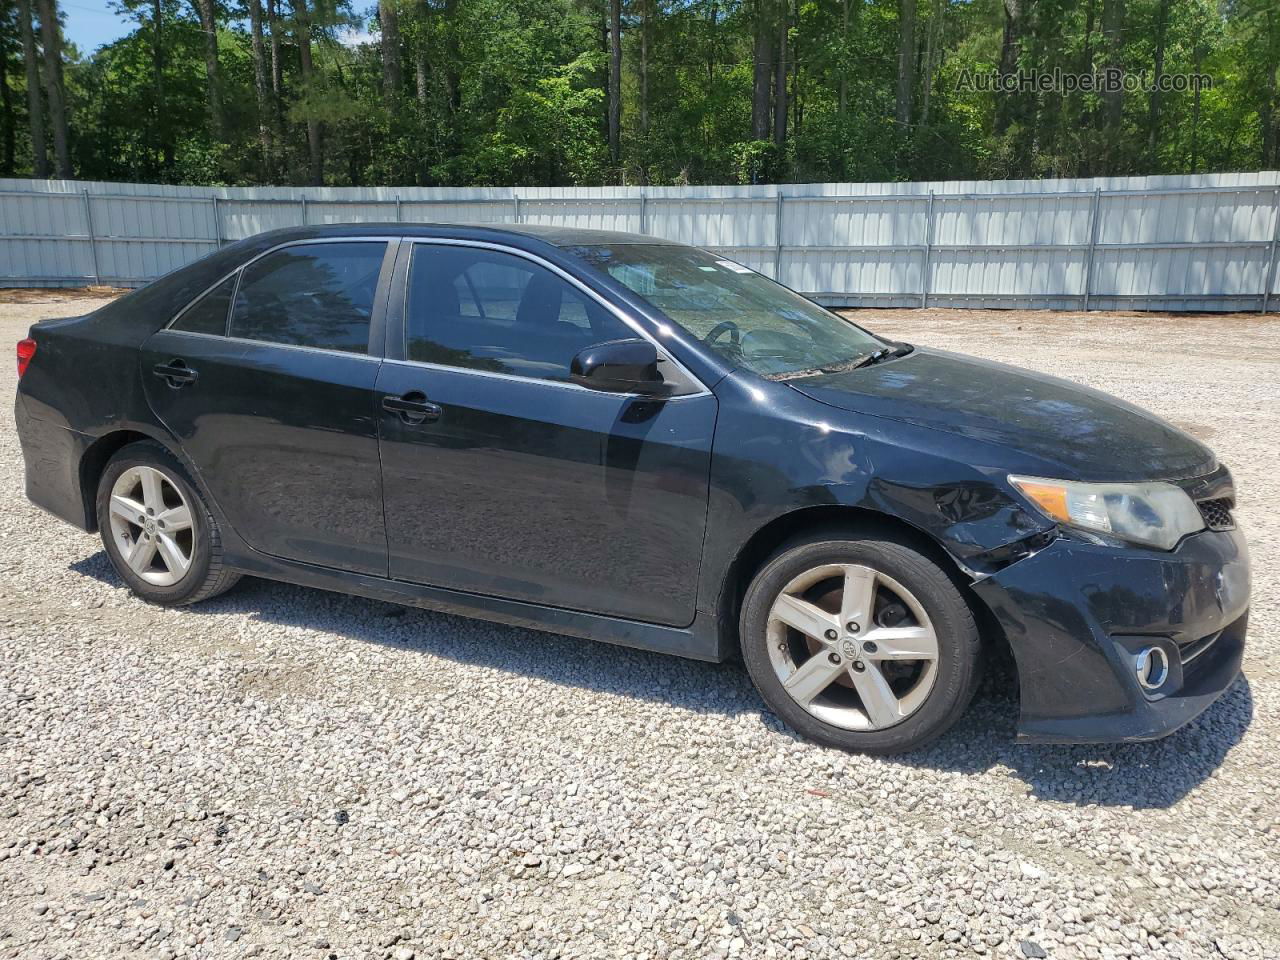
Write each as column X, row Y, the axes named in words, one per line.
column 413, row 407
column 175, row 372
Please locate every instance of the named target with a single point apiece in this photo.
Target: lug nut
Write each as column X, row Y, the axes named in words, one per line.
column 852, row 627
column 859, row 666
column 870, row 646
column 834, row 658
column 830, row 634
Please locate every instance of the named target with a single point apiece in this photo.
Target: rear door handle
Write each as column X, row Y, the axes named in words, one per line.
column 413, row 407
column 175, row 372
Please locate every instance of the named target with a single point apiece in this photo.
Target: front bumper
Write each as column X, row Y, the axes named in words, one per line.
column 1074, row 614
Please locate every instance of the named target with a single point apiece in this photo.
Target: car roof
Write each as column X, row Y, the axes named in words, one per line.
column 500, row 233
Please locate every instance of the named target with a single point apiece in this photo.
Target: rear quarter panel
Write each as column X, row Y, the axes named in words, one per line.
column 84, row 376
column 84, row 381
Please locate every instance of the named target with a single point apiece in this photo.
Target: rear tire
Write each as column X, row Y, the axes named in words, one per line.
column 861, row 644
column 161, row 538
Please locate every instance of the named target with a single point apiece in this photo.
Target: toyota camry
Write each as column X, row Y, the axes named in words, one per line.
column 631, row 440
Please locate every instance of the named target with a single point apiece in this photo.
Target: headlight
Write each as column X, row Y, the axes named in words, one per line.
column 1154, row 514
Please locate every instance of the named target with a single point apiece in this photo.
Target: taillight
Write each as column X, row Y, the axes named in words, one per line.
column 26, row 350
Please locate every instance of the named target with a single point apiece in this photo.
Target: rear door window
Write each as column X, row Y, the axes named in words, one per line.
column 310, row 295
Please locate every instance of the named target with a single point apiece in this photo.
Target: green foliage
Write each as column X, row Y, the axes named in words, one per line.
column 515, row 92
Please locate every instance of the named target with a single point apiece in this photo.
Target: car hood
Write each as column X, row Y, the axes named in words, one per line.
column 1080, row 433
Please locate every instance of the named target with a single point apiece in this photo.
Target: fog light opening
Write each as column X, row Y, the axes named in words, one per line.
column 1152, row 667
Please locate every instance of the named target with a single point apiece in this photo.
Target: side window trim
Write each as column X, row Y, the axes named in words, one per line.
column 398, row 349
column 231, row 307
column 381, row 299
column 378, row 317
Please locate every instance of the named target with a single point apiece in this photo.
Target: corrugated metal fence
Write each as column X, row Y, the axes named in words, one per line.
column 1157, row 243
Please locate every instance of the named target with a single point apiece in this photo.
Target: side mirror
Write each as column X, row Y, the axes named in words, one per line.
column 620, row 366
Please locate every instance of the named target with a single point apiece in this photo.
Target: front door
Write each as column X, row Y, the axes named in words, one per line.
column 503, row 478
column 272, row 397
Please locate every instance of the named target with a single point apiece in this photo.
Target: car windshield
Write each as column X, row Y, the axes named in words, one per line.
column 745, row 317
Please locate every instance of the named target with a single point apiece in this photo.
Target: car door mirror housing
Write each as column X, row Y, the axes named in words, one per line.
column 620, row 366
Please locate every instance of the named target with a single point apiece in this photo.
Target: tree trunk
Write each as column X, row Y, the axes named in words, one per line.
column 392, row 77
column 763, row 57
column 1269, row 114
column 277, row 66
column 1010, row 52
column 1153, row 113
column 843, row 83
column 615, row 81
column 1198, row 60
column 1085, row 165
column 452, row 56
column 646, row 21
column 213, row 88
column 421, row 69
column 260, row 87
column 780, row 78
column 932, row 58
column 797, row 77
column 712, row 16
column 10, row 143
column 1113, row 100
column 51, row 39
column 1269, row 121
column 906, row 61
column 35, row 109
column 160, row 121
column 276, row 35
column 314, row 145
column 1086, row 55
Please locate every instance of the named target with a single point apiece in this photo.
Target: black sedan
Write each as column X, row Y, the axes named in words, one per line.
column 635, row 441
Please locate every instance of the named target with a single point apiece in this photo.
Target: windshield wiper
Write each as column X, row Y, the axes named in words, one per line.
column 879, row 356
column 854, row 363
column 794, row 374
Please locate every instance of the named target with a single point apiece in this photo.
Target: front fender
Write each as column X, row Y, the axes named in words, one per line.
column 778, row 453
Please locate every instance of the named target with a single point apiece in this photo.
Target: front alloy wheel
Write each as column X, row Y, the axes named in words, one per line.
column 852, row 646
column 860, row 643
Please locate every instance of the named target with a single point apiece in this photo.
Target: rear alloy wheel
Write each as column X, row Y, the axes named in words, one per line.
column 864, row 645
column 159, row 534
column 152, row 525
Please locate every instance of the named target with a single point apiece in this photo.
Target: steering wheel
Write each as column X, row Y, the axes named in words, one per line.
column 720, row 329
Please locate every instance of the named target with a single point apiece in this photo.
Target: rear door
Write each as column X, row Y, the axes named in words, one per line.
column 268, row 382
column 517, row 483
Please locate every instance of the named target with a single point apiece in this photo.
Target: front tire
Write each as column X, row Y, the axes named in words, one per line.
column 861, row 644
column 161, row 538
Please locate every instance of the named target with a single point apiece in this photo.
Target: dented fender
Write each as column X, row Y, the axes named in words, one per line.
column 778, row 452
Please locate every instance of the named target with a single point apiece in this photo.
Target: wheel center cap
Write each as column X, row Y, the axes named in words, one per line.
column 149, row 526
column 849, row 647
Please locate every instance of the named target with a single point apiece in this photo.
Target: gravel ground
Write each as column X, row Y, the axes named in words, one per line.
column 290, row 773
